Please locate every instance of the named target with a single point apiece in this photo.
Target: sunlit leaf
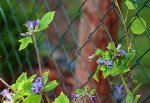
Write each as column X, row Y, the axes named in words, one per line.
column 51, row 85
column 138, row 25
column 21, row 78
column 24, row 42
column 129, row 4
column 45, row 77
column 46, row 20
column 95, row 76
column 35, row 98
column 61, row 99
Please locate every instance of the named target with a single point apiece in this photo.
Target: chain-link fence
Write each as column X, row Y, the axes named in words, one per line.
column 60, row 46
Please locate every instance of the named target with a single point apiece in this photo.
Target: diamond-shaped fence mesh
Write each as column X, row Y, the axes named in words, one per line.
column 78, row 28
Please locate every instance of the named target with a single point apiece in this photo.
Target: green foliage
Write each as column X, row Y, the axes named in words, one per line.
column 45, row 77
column 33, row 98
column 24, row 42
column 43, row 24
column 120, row 65
column 138, row 25
column 107, row 55
column 84, row 92
column 51, row 85
column 45, row 21
column 129, row 5
column 61, row 99
column 21, row 78
column 95, row 76
column 98, row 52
column 32, row 78
column 111, row 46
column 24, row 84
column 131, row 99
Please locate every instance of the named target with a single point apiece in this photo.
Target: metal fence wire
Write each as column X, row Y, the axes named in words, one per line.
column 59, row 46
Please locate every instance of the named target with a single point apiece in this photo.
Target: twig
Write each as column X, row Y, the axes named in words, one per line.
column 37, row 53
column 124, row 83
column 5, row 83
column 124, row 23
column 47, row 98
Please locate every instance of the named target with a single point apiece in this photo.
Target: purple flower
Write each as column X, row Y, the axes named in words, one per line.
column 109, row 64
column 37, row 86
column 28, row 24
column 6, row 94
column 93, row 98
column 75, row 96
column 129, row 85
column 100, row 62
column 122, row 53
column 32, row 24
column 120, row 89
column 38, row 79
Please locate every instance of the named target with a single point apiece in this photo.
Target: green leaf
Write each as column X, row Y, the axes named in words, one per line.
column 79, row 91
column 14, row 86
column 32, row 78
column 129, row 5
column 107, row 55
column 18, row 95
column 103, row 68
column 45, row 77
column 21, row 78
column 61, row 99
column 35, row 98
column 46, row 20
column 111, row 46
column 86, row 88
column 51, row 85
column 95, row 76
column 24, row 42
column 136, row 99
column 129, row 56
column 25, row 86
column 98, row 52
column 92, row 91
column 117, row 69
column 129, row 98
column 138, row 25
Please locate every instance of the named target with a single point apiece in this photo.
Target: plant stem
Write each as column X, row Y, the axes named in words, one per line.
column 47, row 98
column 124, row 23
column 124, row 83
column 137, row 87
column 5, row 82
column 37, row 53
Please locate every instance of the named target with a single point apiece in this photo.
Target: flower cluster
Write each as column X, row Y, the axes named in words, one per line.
column 31, row 26
column 6, row 94
column 37, row 86
column 121, row 53
column 75, row 96
column 93, row 98
column 109, row 63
